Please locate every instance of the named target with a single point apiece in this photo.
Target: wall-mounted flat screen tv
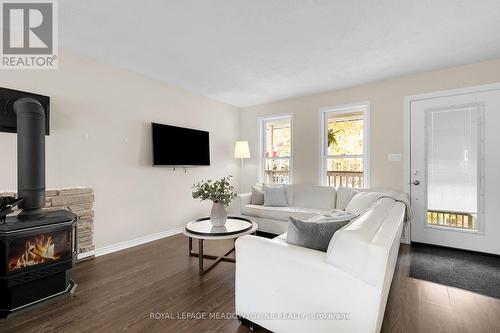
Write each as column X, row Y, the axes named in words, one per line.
column 180, row 146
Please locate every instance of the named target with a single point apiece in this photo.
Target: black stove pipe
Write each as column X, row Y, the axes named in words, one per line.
column 30, row 155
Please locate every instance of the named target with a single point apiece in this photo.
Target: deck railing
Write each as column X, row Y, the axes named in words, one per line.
column 352, row 179
column 345, row 178
column 335, row 178
column 451, row 219
column 277, row 177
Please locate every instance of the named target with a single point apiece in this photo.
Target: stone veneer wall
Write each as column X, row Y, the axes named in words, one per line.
column 79, row 200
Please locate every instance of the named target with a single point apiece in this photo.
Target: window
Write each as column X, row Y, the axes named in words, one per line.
column 453, row 149
column 345, row 146
column 276, row 149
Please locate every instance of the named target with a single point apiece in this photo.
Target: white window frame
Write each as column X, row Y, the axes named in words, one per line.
column 262, row 149
column 324, row 113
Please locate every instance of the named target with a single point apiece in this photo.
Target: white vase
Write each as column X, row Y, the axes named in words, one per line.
column 218, row 215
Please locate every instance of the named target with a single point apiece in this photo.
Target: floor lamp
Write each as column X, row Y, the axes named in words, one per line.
column 241, row 151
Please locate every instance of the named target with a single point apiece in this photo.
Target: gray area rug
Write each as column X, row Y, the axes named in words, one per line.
column 476, row 272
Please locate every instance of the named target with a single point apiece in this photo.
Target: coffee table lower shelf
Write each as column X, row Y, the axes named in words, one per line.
column 202, row 256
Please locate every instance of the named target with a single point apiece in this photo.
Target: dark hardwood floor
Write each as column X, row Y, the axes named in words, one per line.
column 421, row 306
column 121, row 291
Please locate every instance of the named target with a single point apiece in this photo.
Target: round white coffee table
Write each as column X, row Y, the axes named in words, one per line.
column 202, row 229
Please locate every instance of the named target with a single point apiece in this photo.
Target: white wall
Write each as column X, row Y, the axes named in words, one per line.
column 387, row 112
column 115, row 108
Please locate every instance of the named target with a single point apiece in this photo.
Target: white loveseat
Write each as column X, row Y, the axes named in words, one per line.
column 285, row 288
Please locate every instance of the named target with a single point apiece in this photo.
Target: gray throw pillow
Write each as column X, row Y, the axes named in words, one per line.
column 257, row 195
column 312, row 235
column 274, row 196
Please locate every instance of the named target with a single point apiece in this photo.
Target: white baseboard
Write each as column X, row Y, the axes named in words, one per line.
column 86, row 254
column 134, row 242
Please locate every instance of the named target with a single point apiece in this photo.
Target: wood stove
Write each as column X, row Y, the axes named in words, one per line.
column 37, row 246
column 35, row 259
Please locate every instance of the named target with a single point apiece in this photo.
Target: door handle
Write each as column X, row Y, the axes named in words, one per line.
column 416, row 182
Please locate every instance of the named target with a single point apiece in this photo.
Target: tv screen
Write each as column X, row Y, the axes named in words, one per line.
column 180, row 146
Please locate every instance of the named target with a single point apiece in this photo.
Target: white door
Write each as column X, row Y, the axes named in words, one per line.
column 455, row 170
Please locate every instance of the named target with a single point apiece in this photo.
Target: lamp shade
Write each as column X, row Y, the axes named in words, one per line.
column 241, row 150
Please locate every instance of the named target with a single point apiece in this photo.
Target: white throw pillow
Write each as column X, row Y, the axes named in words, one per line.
column 361, row 202
column 344, row 196
column 274, row 196
column 257, row 194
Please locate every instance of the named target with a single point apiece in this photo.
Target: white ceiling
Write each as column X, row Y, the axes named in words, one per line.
column 246, row 52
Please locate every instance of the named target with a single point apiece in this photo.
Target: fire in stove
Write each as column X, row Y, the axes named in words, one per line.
column 37, row 252
column 38, row 249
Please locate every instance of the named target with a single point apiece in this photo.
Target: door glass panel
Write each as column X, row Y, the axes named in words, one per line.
column 452, row 167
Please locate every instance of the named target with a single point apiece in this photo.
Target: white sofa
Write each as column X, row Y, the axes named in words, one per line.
column 304, row 202
column 349, row 284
